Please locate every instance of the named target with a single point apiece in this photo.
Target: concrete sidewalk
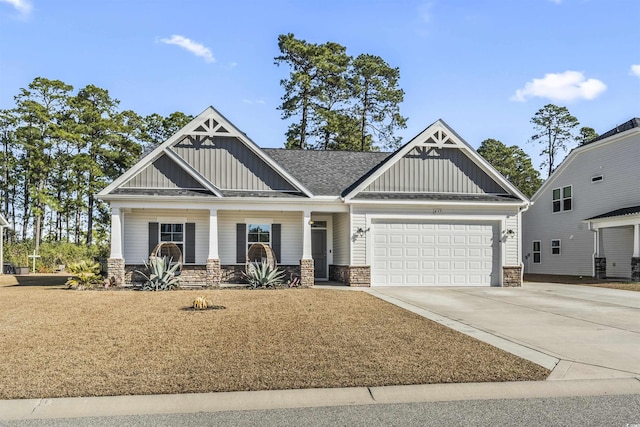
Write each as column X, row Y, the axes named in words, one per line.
column 256, row 400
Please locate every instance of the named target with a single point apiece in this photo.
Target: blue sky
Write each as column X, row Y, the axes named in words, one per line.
column 483, row 66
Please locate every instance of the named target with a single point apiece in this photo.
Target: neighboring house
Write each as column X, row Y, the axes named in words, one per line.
column 432, row 213
column 585, row 219
column 3, row 224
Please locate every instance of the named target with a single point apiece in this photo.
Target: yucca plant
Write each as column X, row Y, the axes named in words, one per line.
column 261, row 275
column 162, row 275
column 85, row 275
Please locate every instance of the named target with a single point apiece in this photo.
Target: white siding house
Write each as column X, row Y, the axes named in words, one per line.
column 432, row 213
column 584, row 220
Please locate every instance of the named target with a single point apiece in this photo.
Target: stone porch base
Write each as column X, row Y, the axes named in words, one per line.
column 511, row 277
column 352, row 275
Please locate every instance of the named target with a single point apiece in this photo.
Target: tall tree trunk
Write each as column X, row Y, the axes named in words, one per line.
column 90, row 220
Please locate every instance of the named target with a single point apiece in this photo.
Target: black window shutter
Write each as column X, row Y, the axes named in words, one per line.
column 276, row 231
column 190, row 243
column 154, row 230
column 241, row 243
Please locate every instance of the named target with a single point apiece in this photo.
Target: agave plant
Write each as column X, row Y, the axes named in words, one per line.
column 262, row 275
column 162, row 275
column 85, row 275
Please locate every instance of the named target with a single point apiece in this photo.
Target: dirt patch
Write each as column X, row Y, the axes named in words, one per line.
column 59, row 343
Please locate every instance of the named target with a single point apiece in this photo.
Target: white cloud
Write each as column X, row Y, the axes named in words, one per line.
column 22, row 6
column 635, row 70
column 567, row 86
column 250, row 102
column 196, row 48
column 556, row 1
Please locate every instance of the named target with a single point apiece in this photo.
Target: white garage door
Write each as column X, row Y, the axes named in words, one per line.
column 435, row 254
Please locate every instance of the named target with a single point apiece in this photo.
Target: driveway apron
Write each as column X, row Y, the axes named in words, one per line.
column 593, row 332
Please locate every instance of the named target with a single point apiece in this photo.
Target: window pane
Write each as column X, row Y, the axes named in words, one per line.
column 264, row 238
column 536, row 246
column 165, row 228
column 177, row 237
column 252, row 238
column 536, row 258
column 555, row 251
column 556, row 206
column 556, row 194
column 566, row 205
column 165, row 237
column 566, row 192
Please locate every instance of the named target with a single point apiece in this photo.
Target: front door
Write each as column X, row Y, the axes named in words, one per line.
column 319, row 253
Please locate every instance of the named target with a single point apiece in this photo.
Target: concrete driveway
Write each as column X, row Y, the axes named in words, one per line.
column 579, row 332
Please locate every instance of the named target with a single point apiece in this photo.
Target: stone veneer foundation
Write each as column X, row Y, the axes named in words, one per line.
column 635, row 269
column 306, row 273
column 116, row 271
column 352, row 275
column 511, row 277
column 601, row 267
column 213, row 272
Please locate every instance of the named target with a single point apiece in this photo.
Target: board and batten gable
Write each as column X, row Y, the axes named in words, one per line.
column 163, row 173
column 229, row 164
column 435, row 170
column 616, row 161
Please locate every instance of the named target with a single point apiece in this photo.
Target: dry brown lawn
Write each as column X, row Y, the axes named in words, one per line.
column 57, row 342
column 584, row 281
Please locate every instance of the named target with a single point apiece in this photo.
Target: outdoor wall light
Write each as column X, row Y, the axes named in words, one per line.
column 510, row 233
column 361, row 231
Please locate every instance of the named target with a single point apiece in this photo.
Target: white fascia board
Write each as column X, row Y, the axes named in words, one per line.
column 192, row 172
column 576, row 151
column 619, row 221
column 3, row 222
column 436, row 203
column 224, row 204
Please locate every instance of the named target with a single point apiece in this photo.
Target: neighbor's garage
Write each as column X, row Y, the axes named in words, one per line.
column 435, row 254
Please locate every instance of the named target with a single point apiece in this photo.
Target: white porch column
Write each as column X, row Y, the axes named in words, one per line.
column 213, row 234
column 116, row 233
column 306, row 234
column 636, row 241
column 1, row 254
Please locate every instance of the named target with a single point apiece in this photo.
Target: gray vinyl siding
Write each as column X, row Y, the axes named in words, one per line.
column 163, row 173
column 136, row 229
column 359, row 215
column 617, row 162
column 436, row 170
column 618, row 247
column 291, row 233
column 341, row 238
column 229, row 164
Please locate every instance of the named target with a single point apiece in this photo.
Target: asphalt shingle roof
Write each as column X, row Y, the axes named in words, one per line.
column 326, row 173
column 633, row 210
column 633, row 123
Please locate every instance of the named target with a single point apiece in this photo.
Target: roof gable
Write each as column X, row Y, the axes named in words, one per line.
column 436, row 161
column 163, row 173
column 608, row 139
column 187, row 149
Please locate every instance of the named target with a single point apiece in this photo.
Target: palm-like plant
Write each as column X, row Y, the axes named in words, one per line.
column 262, row 275
column 85, row 275
column 162, row 275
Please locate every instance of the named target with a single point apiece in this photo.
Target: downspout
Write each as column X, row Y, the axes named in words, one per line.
column 595, row 249
column 522, row 210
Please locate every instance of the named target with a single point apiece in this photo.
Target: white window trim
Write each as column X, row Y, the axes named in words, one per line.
column 534, row 252
column 173, row 221
column 562, row 199
column 246, row 237
column 559, row 246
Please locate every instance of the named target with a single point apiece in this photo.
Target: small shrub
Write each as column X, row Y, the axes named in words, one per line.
column 162, row 275
column 85, row 275
column 201, row 303
column 261, row 275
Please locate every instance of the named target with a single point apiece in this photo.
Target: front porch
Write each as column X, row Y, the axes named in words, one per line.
column 310, row 244
column 617, row 244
